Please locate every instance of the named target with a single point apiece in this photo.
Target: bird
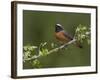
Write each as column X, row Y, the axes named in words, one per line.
column 63, row 37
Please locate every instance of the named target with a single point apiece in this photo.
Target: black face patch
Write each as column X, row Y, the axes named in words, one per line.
column 58, row 28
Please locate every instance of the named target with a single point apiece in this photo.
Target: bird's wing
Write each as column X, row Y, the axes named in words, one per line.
column 67, row 35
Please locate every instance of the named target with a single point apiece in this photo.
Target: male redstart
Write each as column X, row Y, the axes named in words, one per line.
column 63, row 36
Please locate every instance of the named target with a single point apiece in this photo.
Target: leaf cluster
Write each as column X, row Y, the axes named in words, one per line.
column 82, row 33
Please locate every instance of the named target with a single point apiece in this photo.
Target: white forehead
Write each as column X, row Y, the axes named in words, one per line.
column 58, row 24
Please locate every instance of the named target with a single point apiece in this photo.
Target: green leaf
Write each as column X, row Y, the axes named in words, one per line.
column 31, row 48
column 36, row 63
column 43, row 52
column 82, row 33
column 52, row 45
column 40, row 53
column 44, row 44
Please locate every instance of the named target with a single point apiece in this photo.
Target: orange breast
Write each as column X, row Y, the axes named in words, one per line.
column 61, row 37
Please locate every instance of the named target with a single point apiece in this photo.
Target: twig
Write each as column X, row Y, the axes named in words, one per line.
column 53, row 50
column 61, row 47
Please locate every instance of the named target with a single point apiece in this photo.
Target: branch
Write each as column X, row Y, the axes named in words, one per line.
column 53, row 50
column 62, row 46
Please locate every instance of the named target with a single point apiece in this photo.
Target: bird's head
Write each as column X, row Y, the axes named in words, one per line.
column 58, row 27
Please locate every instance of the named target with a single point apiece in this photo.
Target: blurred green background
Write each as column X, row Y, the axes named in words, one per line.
column 39, row 26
